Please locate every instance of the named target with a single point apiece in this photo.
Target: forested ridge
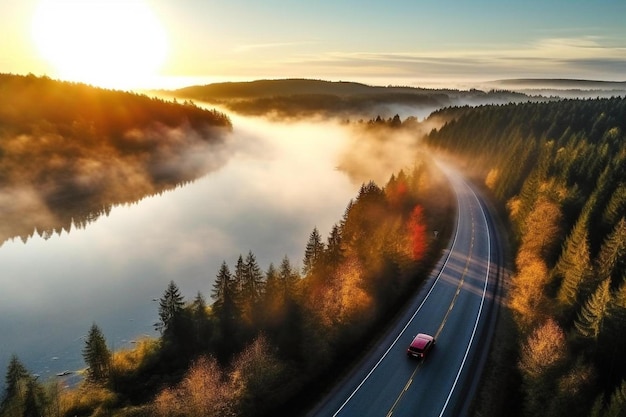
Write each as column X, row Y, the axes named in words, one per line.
column 297, row 98
column 69, row 151
column 559, row 170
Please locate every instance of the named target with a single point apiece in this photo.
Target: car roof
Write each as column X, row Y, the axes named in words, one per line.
column 421, row 340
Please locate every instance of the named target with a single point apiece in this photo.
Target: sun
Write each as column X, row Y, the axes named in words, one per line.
column 110, row 43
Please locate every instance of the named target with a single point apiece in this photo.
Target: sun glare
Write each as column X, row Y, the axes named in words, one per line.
column 109, row 43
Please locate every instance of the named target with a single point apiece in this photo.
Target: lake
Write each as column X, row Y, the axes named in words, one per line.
column 280, row 181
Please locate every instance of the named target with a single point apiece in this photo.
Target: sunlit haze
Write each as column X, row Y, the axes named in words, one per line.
column 160, row 43
column 109, row 43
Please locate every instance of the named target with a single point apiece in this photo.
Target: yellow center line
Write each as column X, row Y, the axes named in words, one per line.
column 443, row 322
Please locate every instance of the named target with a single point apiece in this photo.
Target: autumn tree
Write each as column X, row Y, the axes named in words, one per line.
column 417, row 231
column 97, row 356
column 204, row 391
column 541, row 354
column 257, row 378
column 526, row 298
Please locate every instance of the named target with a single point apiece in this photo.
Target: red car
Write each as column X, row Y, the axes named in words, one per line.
column 421, row 345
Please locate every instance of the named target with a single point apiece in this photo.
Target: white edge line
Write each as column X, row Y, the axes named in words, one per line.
column 482, row 302
column 456, row 233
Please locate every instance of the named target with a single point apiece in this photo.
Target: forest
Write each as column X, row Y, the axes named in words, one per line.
column 69, row 151
column 558, row 172
column 266, row 342
column 298, row 98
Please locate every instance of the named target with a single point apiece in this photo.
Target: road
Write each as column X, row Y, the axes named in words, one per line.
column 456, row 305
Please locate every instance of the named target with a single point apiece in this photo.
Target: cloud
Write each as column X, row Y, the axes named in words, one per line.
column 588, row 56
column 268, row 45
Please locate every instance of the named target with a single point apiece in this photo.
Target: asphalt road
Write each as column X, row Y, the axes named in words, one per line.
column 456, row 307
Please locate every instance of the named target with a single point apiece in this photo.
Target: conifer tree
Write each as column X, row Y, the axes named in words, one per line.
column 592, row 315
column 252, row 286
column 288, row 277
column 313, row 252
column 333, row 254
column 170, row 307
column 97, row 355
column 574, row 265
column 613, row 251
column 272, row 283
column 16, row 374
column 222, row 287
column 225, row 307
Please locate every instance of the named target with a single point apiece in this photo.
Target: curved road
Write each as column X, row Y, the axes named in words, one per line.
column 456, row 306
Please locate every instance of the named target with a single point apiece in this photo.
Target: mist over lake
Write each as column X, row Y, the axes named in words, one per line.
column 279, row 182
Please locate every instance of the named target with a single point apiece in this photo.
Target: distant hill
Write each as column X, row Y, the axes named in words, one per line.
column 562, row 83
column 561, row 87
column 304, row 97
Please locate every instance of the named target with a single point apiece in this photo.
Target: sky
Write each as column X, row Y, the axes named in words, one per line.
column 165, row 43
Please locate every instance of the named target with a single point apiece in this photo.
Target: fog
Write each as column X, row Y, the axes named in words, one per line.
column 277, row 183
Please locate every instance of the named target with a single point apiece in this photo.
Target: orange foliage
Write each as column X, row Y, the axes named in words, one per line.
column 203, row 392
column 417, row 232
column 396, row 192
column 527, row 294
column 345, row 301
column 544, row 349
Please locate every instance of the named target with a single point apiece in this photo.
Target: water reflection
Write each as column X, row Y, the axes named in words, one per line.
column 279, row 182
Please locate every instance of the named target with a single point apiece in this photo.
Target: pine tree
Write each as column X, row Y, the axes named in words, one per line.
column 253, row 283
column 272, row 283
column 617, row 403
column 333, row 254
column 613, row 252
column 223, row 288
column 35, row 399
column 96, row 355
column 288, row 277
column 170, row 308
column 313, row 253
column 15, row 376
column 225, row 308
column 592, row 315
column 574, row 265
column 251, row 288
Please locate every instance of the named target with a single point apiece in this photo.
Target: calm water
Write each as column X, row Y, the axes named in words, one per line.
column 280, row 182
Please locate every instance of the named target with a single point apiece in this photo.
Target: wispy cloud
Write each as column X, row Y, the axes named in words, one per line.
column 268, row 45
column 557, row 57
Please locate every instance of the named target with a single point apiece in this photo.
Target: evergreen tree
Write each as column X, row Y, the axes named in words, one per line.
column 253, row 283
column 273, row 288
column 238, row 279
column 34, row 403
column 593, row 313
column 334, row 251
column 617, row 404
column 574, row 265
column 313, row 253
column 96, row 355
column 612, row 256
column 288, row 277
column 170, row 308
column 225, row 310
column 14, row 380
column 201, row 323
